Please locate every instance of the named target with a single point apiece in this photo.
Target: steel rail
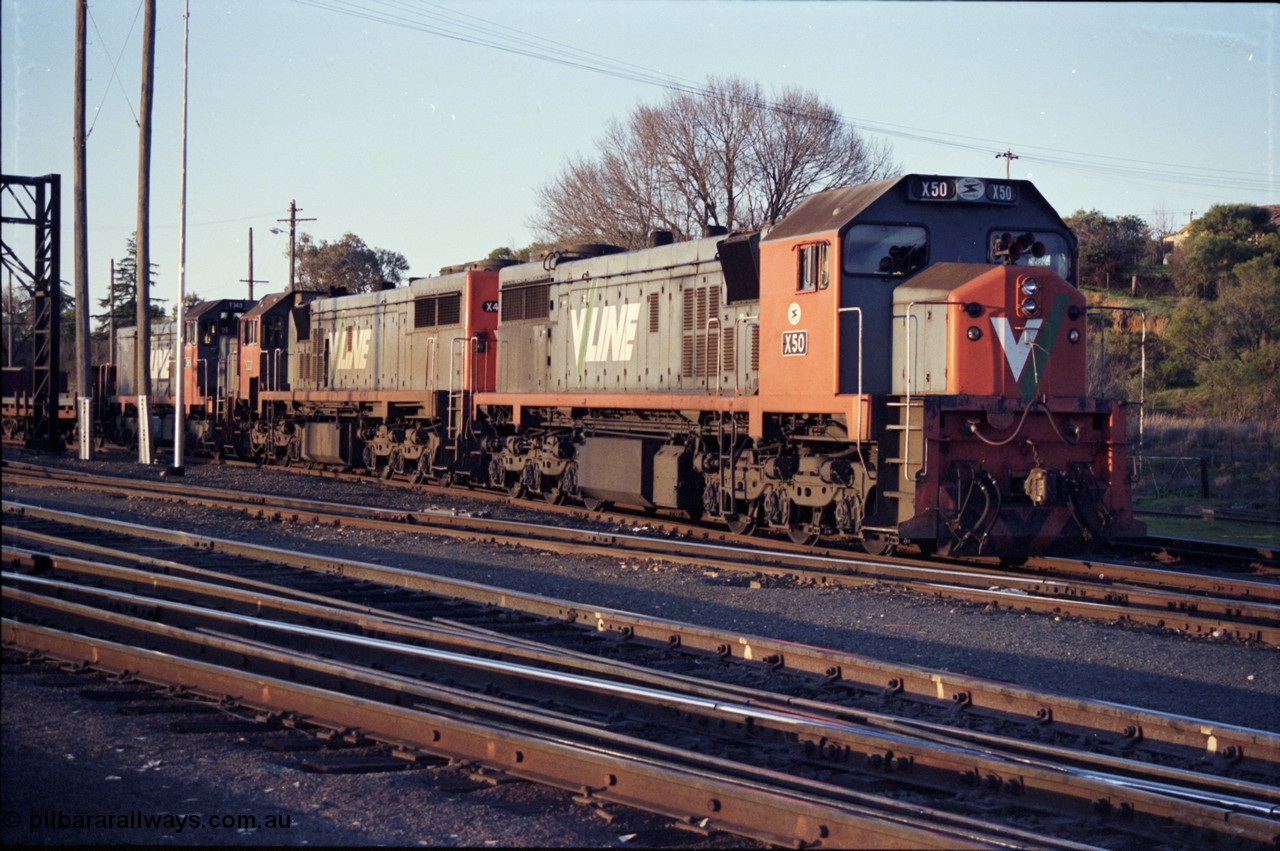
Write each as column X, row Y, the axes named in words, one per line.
column 1049, row 571
column 604, row 774
column 266, row 597
column 1150, row 806
column 1241, row 616
column 1122, row 726
column 631, row 682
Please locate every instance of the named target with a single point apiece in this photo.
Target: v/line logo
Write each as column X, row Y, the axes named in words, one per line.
column 160, row 361
column 604, row 334
column 349, row 347
column 1016, row 348
column 1032, row 347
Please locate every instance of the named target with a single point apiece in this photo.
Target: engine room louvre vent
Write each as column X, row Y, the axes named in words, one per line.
column 699, row 304
column 655, row 308
column 433, row 311
column 449, row 311
column 699, row 351
column 424, row 312
column 755, row 348
column 526, row 302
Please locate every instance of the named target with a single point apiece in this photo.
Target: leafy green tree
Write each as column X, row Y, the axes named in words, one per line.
column 122, row 299
column 1219, row 241
column 1110, row 248
column 347, row 263
column 1250, row 306
column 1227, row 325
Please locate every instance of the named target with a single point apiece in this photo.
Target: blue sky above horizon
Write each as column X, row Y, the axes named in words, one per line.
column 427, row 127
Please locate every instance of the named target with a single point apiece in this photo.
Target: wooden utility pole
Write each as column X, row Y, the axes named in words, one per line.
column 143, row 283
column 1008, row 156
column 83, row 381
column 250, row 280
column 293, row 237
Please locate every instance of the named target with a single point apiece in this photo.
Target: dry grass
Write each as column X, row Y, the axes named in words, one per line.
column 1243, row 461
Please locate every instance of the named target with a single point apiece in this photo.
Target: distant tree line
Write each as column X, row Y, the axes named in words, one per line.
column 1214, row 338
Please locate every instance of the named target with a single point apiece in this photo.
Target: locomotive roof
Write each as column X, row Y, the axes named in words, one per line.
column 830, row 210
column 215, row 304
column 266, row 303
column 642, row 261
column 834, row 209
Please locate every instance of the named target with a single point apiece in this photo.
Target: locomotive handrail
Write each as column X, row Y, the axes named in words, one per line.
column 1142, row 380
column 706, row 330
column 466, row 361
column 432, row 344
column 275, row 369
column 857, row 310
column 204, row 383
column 748, row 321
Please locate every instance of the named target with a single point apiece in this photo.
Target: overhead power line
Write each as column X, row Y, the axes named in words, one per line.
column 438, row 20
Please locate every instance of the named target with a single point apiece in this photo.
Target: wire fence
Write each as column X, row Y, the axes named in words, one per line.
column 1172, row 475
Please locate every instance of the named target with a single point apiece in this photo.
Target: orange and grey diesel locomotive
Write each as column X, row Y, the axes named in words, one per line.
column 897, row 362
column 900, row 362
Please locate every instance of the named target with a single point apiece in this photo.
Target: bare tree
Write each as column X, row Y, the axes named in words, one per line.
column 725, row 156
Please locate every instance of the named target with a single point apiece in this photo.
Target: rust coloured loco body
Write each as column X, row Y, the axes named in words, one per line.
column 899, row 362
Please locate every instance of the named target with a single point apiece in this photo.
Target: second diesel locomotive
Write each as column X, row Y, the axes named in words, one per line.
column 900, row 362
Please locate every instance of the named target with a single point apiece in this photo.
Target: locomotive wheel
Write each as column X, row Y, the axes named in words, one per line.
column 801, row 533
column 394, row 464
column 556, row 492
column 878, row 546
column 801, row 529
column 743, row 522
column 514, row 485
column 595, row 504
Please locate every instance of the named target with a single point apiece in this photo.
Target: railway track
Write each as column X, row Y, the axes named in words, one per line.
column 527, row 686
column 1239, row 558
column 1212, row 605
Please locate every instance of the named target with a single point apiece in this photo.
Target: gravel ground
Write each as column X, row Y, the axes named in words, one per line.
column 86, row 742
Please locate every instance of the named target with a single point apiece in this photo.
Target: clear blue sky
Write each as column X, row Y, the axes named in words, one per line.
column 426, row 127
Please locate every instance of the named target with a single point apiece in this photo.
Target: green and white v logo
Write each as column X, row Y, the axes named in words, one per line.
column 1019, row 350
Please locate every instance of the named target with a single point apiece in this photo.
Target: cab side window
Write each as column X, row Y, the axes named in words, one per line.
column 811, row 273
column 884, row 250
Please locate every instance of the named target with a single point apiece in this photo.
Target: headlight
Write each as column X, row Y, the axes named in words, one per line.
column 1029, row 307
column 1030, row 287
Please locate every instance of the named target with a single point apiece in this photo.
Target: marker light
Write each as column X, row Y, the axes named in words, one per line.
column 1074, row 335
column 974, row 333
